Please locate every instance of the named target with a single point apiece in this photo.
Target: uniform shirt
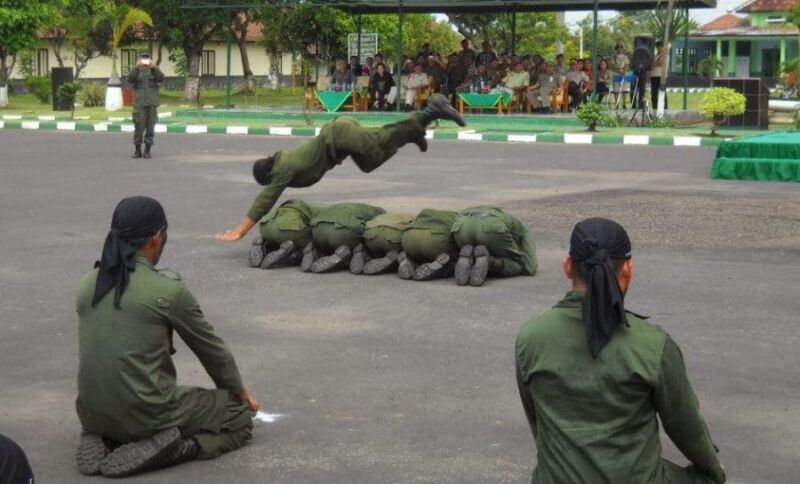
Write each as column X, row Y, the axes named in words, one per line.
column 658, row 65
column 594, row 420
column 517, row 79
column 343, row 78
column 577, row 77
column 547, row 82
column 145, row 86
column 300, row 167
column 127, row 384
column 416, row 81
column 621, row 63
column 353, row 216
column 486, row 58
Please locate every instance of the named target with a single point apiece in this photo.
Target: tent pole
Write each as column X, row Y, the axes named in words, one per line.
column 514, row 32
column 594, row 51
column 228, row 59
column 398, row 72
column 358, row 24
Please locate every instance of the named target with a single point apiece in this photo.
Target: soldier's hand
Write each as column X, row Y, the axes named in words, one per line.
column 249, row 400
column 231, row 235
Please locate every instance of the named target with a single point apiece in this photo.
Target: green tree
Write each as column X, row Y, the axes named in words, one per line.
column 20, row 21
column 120, row 17
column 654, row 23
column 536, row 33
column 75, row 25
column 794, row 19
column 186, row 30
column 621, row 29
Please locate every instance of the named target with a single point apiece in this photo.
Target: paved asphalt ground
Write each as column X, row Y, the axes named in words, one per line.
column 382, row 380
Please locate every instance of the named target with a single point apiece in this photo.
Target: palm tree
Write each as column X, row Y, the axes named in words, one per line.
column 794, row 19
column 121, row 18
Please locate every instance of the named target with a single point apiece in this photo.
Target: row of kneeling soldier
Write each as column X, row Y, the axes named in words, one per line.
column 471, row 245
column 593, row 377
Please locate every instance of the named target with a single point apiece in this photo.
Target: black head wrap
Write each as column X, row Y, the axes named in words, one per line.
column 135, row 219
column 594, row 243
column 263, row 168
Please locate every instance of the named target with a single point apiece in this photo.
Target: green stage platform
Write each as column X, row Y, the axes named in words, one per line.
column 769, row 157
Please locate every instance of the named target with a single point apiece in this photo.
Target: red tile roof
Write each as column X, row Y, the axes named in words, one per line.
column 727, row 21
column 767, row 6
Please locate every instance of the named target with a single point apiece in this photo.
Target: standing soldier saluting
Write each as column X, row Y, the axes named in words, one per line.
column 145, row 78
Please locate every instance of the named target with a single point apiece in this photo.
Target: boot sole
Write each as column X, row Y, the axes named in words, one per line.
column 358, row 260
column 379, row 266
column 280, row 256
column 433, row 269
column 406, row 268
column 309, row 255
column 91, row 451
column 256, row 252
column 480, row 269
column 337, row 260
column 141, row 456
column 464, row 266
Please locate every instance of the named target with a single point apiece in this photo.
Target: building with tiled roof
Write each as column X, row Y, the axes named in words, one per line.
column 754, row 40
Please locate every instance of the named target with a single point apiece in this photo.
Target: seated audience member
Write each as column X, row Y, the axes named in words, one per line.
column 382, row 90
column 561, row 68
column 343, row 79
column 539, row 93
column 482, row 80
column 505, row 63
column 368, row 67
column 516, row 81
column 595, row 379
column 354, row 66
column 437, row 71
column 603, row 79
column 416, row 81
column 578, row 80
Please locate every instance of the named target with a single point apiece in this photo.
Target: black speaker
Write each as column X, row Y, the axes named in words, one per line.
column 60, row 76
column 756, row 108
column 646, row 41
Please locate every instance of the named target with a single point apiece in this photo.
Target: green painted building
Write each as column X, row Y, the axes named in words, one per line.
column 755, row 41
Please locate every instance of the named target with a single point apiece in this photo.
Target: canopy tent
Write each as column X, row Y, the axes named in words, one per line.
column 401, row 7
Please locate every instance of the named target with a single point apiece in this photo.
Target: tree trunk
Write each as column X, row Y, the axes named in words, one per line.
column 191, row 91
column 662, row 90
column 57, row 43
column 247, row 87
column 3, row 68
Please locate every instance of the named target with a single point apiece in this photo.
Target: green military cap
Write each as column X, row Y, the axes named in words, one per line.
column 144, row 54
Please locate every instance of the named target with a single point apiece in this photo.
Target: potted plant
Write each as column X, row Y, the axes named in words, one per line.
column 719, row 104
column 591, row 114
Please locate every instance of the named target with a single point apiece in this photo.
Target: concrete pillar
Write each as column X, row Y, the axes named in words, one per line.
column 731, row 57
column 783, row 50
column 719, row 49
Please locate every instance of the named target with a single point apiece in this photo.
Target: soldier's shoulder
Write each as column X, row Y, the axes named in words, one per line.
column 170, row 274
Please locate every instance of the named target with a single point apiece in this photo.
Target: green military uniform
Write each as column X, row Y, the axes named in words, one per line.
column 429, row 235
column 384, row 233
column 290, row 221
column 342, row 137
column 594, row 420
column 127, row 387
column 503, row 235
column 342, row 224
column 145, row 102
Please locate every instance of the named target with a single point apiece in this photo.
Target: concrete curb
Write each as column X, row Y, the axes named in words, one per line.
column 464, row 135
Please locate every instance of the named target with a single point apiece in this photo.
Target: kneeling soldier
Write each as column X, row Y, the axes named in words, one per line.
column 285, row 230
column 428, row 248
column 382, row 236
column 492, row 241
column 335, row 232
column 128, row 396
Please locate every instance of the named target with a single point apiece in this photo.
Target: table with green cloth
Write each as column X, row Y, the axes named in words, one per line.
column 483, row 101
column 332, row 101
column 771, row 157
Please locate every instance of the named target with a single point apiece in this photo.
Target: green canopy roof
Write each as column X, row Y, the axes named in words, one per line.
column 462, row 6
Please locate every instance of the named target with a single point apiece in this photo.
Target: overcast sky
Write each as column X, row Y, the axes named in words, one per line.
column 700, row 15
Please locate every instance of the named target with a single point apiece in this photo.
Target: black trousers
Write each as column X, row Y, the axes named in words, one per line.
column 576, row 94
column 655, row 85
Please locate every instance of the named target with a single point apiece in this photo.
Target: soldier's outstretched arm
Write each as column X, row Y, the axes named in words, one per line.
column 261, row 205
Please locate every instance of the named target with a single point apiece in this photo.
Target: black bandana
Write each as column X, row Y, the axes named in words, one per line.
column 135, row 219
column 594, row 243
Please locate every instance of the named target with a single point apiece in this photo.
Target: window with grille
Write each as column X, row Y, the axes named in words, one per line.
column 127, row 61
column 208, row 63
column 43, row 62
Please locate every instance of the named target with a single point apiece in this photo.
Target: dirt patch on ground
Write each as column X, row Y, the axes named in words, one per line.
column 702, row 220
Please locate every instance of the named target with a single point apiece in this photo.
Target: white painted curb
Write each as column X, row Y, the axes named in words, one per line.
column 522, row 138
column 280, row 131
column 470, row 136
column 101, row 127
column 30, row 125
column 46, row 118
column 578, row 139
column 127, row 128
column 237, row 130
column 634, row 139
column 428, row 134
column 65, row 126
column 686, row 140
column 160, row 128
column 196, row 129
column 12, row 117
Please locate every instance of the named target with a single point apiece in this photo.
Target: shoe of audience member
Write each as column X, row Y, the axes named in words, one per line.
column 142, row 455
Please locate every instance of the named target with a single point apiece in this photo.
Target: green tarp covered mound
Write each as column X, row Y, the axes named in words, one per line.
column 769, row 157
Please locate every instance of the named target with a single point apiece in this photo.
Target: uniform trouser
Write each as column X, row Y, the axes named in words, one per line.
column 655, row 85
column 288, row 224
column 372, row 147
column 144, row 121
column 328, row 236
column 379, row 241
column 424, row 245
column 195, row 417
column 540, row 98
column 495, row 235
column 676, row 474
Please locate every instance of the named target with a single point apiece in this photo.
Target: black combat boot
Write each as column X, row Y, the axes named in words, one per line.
column 381, row 265
column 359, row 259
column 257, row 251
column 440, row 267
column 138, row 152
column 422, row 143
column 485, row 264
column 439, row 108
column 91, row 451
column 309, row 256
column 147, row 151
column 407, row 267
column 338, row 260
column 187, row 451
column 281, row 256
column 464, row 265
column 143, row 455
